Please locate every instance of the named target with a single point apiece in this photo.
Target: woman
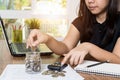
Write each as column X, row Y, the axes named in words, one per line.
column 97, row 27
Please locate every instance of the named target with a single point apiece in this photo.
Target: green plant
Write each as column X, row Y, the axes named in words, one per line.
column 33, row 23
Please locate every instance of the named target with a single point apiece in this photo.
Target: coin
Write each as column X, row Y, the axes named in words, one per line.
column 55, row 75
column 61, row 74
column 57, row 64
column 45, row 73
column 48, row 72
column 63, row 71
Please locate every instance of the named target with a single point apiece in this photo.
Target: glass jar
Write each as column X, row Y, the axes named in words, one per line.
column 33, row 62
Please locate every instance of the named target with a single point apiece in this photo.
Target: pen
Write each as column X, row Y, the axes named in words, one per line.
column 20, row 27
column 97, row 63
column 14, row 27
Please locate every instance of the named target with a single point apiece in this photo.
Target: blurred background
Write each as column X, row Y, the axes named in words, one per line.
column 54, row 16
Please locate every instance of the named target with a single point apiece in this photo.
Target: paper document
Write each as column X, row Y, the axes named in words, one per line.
column 17, row 72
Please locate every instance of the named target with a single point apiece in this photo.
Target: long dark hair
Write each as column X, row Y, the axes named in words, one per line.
column 87, row 20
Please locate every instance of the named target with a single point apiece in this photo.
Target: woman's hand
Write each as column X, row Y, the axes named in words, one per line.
column 77, row 55
column 36, row 37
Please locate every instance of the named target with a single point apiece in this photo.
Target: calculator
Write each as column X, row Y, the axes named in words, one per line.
column 57, row 66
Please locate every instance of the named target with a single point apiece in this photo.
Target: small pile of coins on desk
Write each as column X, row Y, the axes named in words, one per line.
column 55, row 70
column 54, row 73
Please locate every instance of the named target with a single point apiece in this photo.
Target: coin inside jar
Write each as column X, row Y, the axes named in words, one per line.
column 33, row 62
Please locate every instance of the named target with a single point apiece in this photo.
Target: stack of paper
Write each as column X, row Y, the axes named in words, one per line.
column 17, row 72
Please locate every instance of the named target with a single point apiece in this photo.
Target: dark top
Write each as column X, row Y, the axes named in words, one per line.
column 99, row 33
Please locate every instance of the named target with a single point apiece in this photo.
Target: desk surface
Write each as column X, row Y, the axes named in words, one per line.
column 6, row 58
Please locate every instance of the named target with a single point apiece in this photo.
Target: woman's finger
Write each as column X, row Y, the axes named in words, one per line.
column 72, row 59
column 81, row 59
column 77, row 59
column 28, row 43
column 65, row 59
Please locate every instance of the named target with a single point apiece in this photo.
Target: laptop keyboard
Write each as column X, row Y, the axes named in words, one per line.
column 21, row 47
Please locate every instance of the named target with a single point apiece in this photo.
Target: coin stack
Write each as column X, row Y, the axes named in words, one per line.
column 33, row 62
column 54, row 73
column 55, row 70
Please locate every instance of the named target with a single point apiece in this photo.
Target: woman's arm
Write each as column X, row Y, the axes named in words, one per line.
column 58, row 47
column 77, row 55
column 69, row 42
column 103, row 55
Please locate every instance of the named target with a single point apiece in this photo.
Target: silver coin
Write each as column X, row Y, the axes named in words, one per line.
column 55, row 75
column 61, row 74
column 45, row 73
column 63, row 71
column 48, row 72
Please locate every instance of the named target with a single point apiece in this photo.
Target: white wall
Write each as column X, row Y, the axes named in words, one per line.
column 72, row 9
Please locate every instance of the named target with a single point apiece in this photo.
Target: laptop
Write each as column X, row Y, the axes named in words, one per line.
column 19, row 49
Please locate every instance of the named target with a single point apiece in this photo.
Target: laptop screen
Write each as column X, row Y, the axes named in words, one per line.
column 5, row 34
column 43, row 49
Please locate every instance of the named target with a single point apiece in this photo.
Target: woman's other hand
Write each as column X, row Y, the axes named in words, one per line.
column 76, row 56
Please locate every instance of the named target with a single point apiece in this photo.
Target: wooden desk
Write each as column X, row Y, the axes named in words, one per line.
column 6, row 58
